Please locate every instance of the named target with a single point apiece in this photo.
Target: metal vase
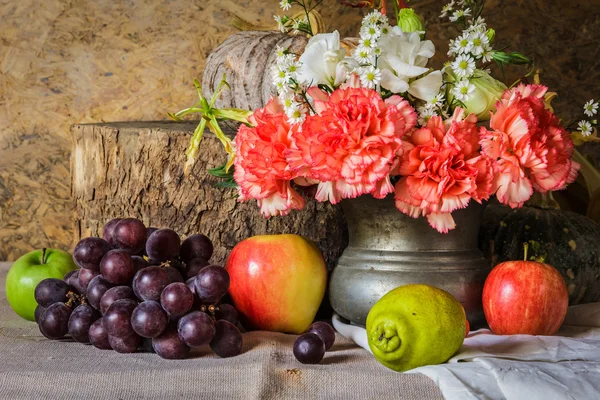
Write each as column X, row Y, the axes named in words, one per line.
column 388, row 249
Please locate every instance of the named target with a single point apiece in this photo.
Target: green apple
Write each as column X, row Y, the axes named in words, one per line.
column 28, row 271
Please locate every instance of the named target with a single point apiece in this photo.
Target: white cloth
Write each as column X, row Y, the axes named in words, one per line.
column 495, row 367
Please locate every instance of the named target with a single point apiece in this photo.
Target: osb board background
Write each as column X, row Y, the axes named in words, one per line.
column 79, row 61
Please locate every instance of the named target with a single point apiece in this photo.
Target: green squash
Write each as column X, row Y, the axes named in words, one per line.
column 568, row 241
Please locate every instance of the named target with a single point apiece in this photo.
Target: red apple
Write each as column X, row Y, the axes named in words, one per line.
column 525, row 297
column 277, row 282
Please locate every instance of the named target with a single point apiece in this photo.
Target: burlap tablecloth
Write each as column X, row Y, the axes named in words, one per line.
column 33, row 367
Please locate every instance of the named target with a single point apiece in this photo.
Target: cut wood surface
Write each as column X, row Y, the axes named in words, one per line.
column 136, row 170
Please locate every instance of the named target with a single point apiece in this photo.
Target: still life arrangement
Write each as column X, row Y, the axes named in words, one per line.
column 370, row 118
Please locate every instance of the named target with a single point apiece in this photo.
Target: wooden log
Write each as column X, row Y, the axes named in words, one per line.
column 136, row 170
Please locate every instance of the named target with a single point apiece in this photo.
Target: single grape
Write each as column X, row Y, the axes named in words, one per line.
column 98, row 335
column 227, row 312
column 163, row 245
column 50, row 291
column 309, row 348
column 73, row 281
column 148, row 283
column 169, row 345
column 68, row 274
column 89, row 252
column 117, row 267
column 149, row 319
column 196, row 246
column 212, row 283
column 96, row 289
column 117, row 319
column 109, row 229
column 191, row 284
column 228, row 339
column 324, row 331
column 196, row 328
column 125, row 344
column 114, row 294
column 54, row 322
column 80, row 321
column 149, row 231
column 85, row 277
column 39, row 310
column 176, row 299
column 130, row 235
column 174, row 275
column 194, row 266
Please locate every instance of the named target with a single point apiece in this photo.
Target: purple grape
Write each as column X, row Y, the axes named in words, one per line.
column 194, row 266
column 163, row 245
column 39, row 310
column 196, row 329
column 212, row 283
column 114, row 294
column 149, row 283
column 227, row 341
column 139, row 263
column 129, row 235
column 191, row 284
column 196, row 246
column 125, row 344
column 96, row 289
column 117, row 319
column 85, row 277
column 98, row 335
column 109, row 230
column 69, row 274
column 174, row 275
column 73, row 281
column 89, row 252
column 149, row 231
column 325, row 332
column 309, row 348
column 117, row 267
column 80, row 321
column 177, row 299
column 227, row 312
column 54, row 322
column 50, row 291
column 149, row 319
column 169, row 345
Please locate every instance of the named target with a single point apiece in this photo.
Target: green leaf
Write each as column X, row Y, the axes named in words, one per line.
column 220, row 172
column 194, row 145
column 227, row 184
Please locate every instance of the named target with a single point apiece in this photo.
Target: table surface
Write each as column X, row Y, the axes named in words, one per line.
column 34, row 367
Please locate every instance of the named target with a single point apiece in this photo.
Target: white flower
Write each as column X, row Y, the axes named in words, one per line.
column 385, row 28
column 372, row 32
column 281, row 23
column 296, row 116
column 283, row 89
column 487, row 55
column 590, row 108
column 585, row 128
column 279, row 75
column 463, row 66
column 280, row 51
column 479, row 25
column 463, row 90
column 403, row 59
column 437, row 101
column 458, row 14
column 285, row 4
column 369, row 76
column 425, row 113
column 374, row 17
column 367, row 43
column 447, row 9
column 462, row 44
column 479, row 43
column 364, row 55
column 324, row 62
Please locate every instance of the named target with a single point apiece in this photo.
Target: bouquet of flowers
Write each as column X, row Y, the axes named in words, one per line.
column 374, row 119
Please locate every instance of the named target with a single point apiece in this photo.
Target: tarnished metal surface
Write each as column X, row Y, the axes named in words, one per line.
column 388, row 249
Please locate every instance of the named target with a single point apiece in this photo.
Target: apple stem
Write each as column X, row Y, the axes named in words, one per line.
column 526, row 247
column 43, row 256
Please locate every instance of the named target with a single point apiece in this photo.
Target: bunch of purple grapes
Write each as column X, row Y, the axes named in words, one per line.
column 141, row 289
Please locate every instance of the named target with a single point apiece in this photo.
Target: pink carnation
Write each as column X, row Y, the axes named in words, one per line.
column 442, row 170
column 261, row 168
column 352, row 142
column 531, row 149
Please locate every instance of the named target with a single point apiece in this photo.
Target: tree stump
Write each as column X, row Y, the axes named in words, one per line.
column 136, row 170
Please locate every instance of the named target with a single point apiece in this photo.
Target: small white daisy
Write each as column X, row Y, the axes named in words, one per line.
column 478, row 25
column 280, row 51
column 283, row 89
column 590, row 108
column 479, row 42
column 298, row 24
column 437, row 101
column 364, row 55
column 462, row 44
column 487, row 55
column 425, row 113
column 296, row 116
column 385, row 28
column 279, row 75
column 372, row 32
column 369, row 76
column 458, row 14
column 463, row 90
column 285, row 4
column 374, row 17
column 585, row 128
column 367, row 42
column 463, row 66
column 281, row 23
column 447, row 9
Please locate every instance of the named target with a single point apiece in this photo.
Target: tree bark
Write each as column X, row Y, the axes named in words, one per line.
column 136, row 170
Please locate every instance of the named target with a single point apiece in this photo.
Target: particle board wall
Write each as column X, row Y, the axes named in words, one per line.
column 77, row 61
